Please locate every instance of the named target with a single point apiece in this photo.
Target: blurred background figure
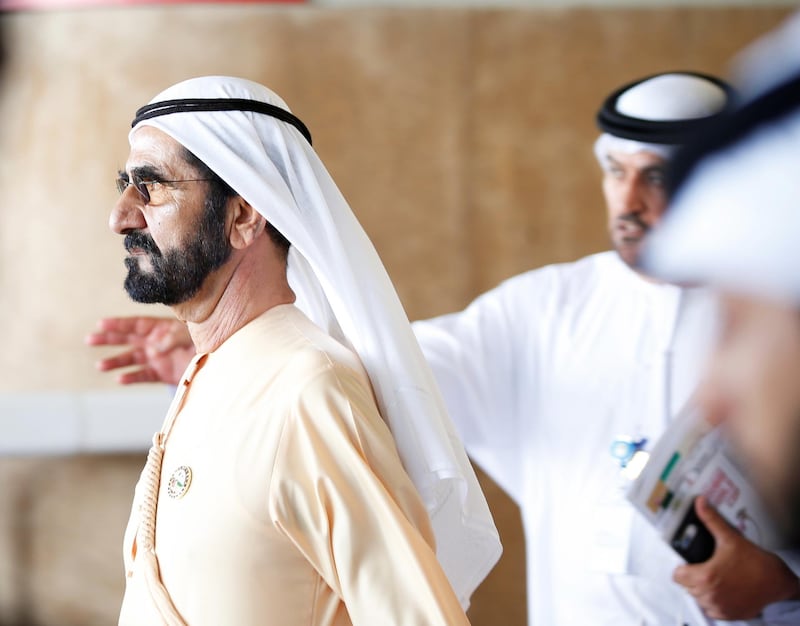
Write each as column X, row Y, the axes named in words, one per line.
column 735, row 224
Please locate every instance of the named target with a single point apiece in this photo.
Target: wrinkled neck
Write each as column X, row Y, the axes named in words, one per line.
column 253, row 284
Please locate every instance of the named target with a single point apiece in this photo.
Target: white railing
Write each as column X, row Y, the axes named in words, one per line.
column 51, row 422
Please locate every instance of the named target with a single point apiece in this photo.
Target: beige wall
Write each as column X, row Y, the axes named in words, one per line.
column 462, row 139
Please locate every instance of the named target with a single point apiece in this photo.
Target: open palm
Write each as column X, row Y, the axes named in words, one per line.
column 159, row 348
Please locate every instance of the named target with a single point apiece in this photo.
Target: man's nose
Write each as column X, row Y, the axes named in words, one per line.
column 127, row 213
column 630, row 197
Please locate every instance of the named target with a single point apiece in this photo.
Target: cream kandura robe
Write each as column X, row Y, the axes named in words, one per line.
column 298, row 511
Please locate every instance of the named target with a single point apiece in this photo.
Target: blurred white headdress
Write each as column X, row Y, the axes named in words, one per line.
column 735, row 218
column 656, row 114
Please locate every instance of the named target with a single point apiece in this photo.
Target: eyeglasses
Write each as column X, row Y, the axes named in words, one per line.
column 145, row 187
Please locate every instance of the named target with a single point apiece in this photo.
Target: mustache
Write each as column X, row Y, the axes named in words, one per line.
column 143, row 241
column 634, row 219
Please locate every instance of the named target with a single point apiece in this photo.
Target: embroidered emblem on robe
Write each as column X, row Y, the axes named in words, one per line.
column 179, row 482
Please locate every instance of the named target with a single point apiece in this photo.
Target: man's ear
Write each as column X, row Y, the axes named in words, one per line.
column 246, row 224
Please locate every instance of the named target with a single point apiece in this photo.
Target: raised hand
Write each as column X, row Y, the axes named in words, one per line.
column 159, row 348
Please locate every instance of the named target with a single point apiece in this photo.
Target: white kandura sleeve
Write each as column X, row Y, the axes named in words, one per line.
column 474, row 358
column 785, row 613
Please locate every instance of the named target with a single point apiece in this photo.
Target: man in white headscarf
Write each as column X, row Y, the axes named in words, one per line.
column 306, row 472
column 555, row 372
column 734, row 224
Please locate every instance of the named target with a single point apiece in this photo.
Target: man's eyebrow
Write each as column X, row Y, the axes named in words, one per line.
column 654, row 169
column 612, row 161
column 147, row 172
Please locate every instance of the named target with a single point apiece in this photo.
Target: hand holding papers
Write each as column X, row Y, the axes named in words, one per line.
column 692, row 459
